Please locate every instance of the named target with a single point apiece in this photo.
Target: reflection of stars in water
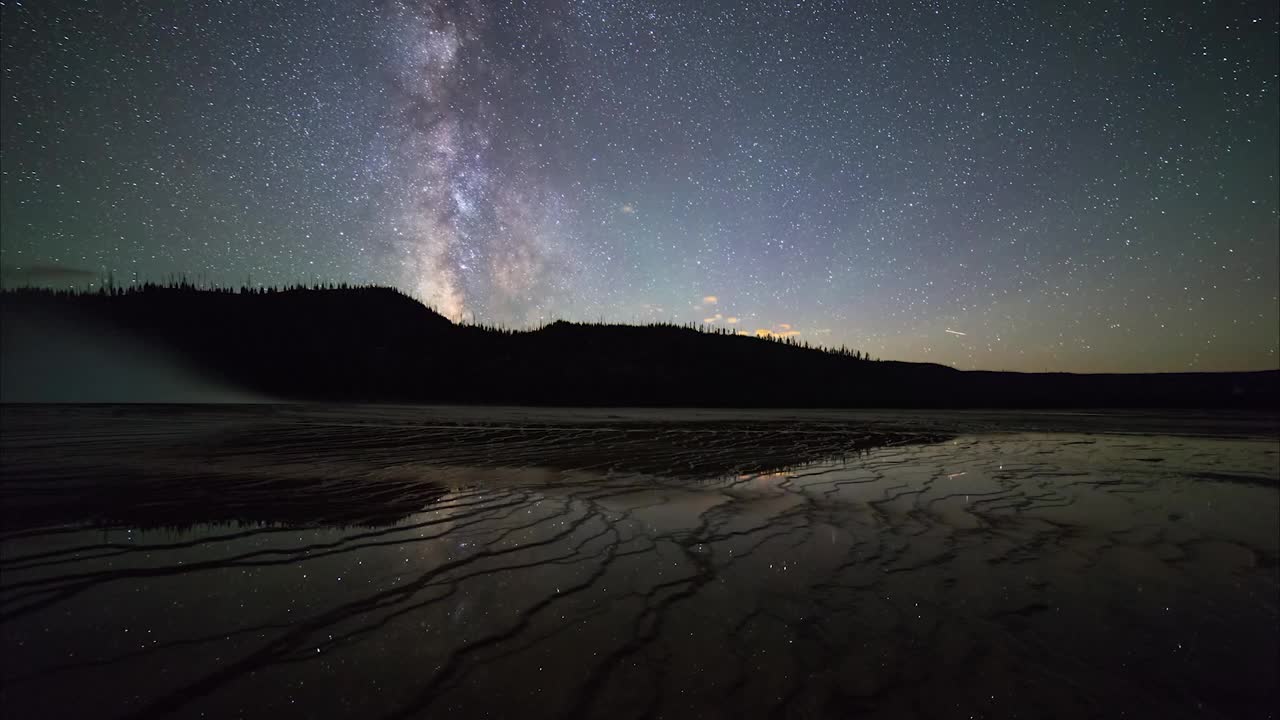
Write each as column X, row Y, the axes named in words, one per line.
column 867, row 179
column 457, row 615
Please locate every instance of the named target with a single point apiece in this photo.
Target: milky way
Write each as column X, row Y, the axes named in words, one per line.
column 476, row 223
column 1087, row 188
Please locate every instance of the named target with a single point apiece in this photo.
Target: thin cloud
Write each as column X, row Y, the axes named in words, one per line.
column 49, row 274
column 781, row 330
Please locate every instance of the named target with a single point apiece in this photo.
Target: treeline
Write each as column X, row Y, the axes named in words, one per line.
column 337, row 342
column 181, row 284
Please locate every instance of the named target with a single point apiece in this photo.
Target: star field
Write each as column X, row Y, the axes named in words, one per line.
column 987, row 185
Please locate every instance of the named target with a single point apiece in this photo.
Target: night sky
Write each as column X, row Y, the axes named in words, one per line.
column 1005, row 186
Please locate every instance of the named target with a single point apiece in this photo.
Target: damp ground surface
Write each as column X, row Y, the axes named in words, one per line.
column 319, row 561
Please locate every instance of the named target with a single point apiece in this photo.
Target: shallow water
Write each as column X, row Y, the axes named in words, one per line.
column 385, row 563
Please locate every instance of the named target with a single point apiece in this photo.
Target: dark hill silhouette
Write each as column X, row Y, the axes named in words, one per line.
column 340, row 343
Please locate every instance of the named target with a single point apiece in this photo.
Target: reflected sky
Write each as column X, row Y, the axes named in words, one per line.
column 1047, row 574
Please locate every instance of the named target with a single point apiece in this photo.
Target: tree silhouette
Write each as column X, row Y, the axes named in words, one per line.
column 341, row 341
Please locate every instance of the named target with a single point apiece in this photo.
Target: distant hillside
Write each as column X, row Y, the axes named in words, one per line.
column 376, row 344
